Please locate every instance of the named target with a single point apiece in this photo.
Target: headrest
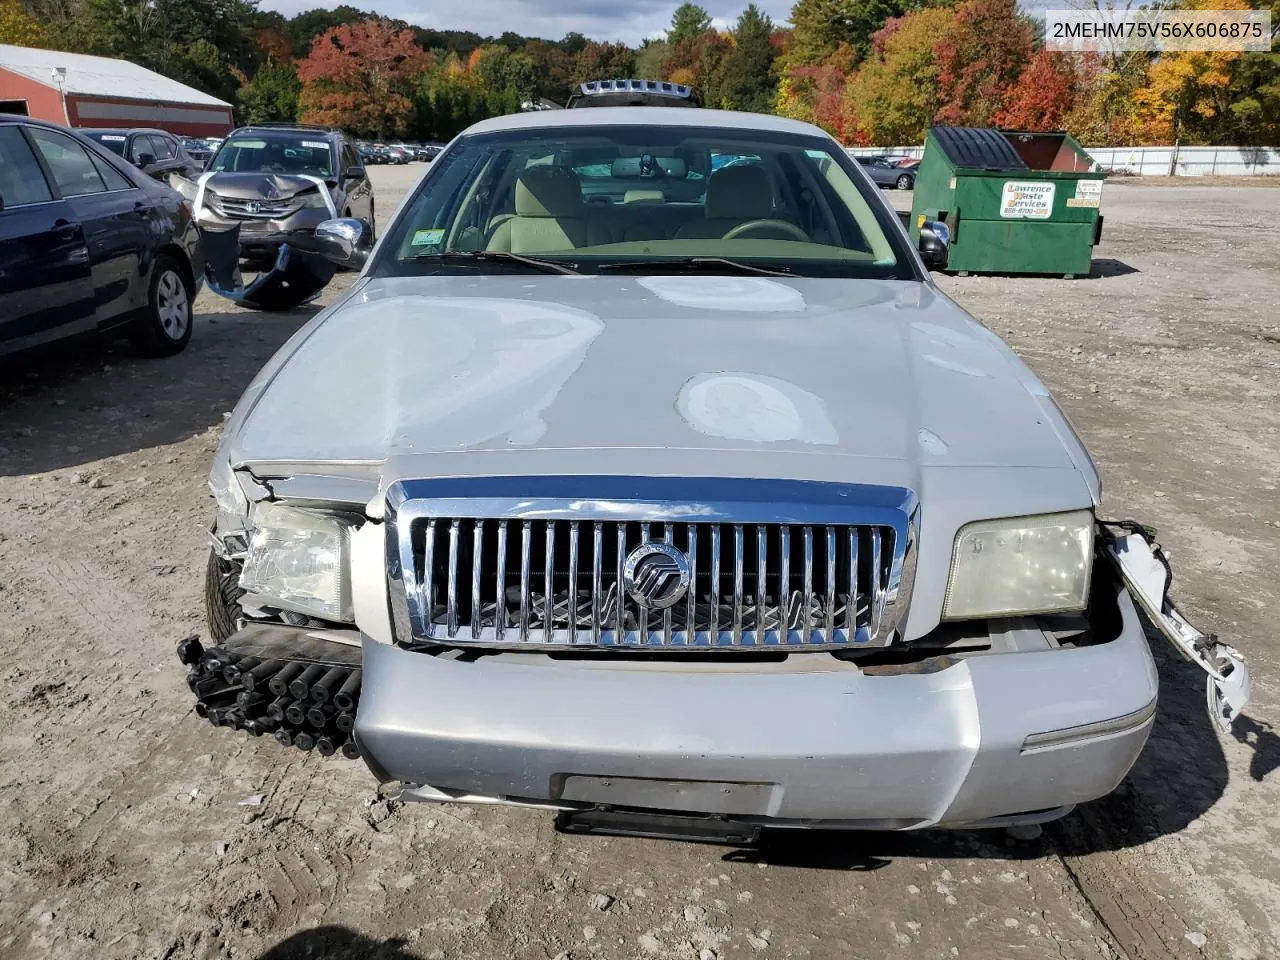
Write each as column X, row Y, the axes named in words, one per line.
column 740, row 193
column 548, row 192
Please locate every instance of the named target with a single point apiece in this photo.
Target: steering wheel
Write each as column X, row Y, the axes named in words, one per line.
column 773, row 227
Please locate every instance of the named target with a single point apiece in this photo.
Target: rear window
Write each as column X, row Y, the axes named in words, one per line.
column 112, row 141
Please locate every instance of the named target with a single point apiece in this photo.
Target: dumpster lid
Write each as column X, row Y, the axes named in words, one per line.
column 982, row 147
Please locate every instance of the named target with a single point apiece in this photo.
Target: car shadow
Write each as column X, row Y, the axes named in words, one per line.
column 80, row 401
column 336, row 943
column 1180, row 775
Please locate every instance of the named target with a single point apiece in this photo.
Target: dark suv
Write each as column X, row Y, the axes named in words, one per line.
column 154, row 152
column 265, row 191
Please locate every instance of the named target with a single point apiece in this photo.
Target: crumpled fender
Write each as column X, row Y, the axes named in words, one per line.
column 298, row 276
column 1145, row 569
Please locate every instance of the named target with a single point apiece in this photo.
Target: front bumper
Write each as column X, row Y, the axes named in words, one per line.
column 998, row 738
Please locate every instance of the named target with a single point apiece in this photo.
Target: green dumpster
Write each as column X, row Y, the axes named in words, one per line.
column 1015, row 202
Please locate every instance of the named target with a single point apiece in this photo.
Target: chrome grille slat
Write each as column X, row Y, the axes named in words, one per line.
column 428, row 567
column 573, row 581
column 526, row 548
column 737, row 584
column 597, row 577
column 806, row 603
column 451, row 615
column 500, row 607
column 548, row 599
column 450, row 565
column 714, row 627
column 830, row 585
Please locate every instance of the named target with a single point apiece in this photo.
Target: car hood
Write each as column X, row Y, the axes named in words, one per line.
column 695, row 375
column 258, row 186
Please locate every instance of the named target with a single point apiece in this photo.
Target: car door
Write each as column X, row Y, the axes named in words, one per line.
column 358, row 189
column 115, row 215
column 46, row 286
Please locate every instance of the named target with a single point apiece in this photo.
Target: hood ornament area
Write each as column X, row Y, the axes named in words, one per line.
column 656, row 575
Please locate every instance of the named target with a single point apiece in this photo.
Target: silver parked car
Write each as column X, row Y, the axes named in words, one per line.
column 679, row 502
column 888, row 172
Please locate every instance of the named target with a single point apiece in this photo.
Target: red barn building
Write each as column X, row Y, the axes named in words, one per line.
column 83, row 91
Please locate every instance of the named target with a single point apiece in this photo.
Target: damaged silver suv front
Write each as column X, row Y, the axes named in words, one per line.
column 258, row 205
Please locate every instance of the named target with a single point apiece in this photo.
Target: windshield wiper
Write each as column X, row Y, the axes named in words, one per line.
column 693, row 265
column 497, row 256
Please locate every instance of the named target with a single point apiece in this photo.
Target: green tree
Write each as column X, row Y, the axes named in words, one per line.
column 651, row 58
column 272, row 95
column 749, row 81
column 603, row 61
column 1255, row 100
column 306, row 26
column 822, row 26
column 688, row 23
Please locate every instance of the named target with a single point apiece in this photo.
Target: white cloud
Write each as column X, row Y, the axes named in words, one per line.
column 544, row 18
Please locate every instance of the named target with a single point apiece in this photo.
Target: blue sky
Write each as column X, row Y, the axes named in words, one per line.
column 552, row 19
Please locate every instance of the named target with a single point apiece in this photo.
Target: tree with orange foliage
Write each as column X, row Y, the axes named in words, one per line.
column 980, row 59
column 361, row 77
column 1044, row 94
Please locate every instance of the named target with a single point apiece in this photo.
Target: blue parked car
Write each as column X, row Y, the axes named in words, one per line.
column 89, row 243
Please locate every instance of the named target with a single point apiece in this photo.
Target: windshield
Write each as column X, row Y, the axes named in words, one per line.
column 112, row 141
column 259, row 154
column 625, row 197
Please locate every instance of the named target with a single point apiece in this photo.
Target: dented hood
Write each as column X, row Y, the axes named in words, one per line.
column 258, row 186
column 696, row 375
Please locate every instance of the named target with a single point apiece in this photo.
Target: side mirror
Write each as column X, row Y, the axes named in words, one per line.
column 935, row 238
column 145, row 160
column 345, row 242
column 354, row 173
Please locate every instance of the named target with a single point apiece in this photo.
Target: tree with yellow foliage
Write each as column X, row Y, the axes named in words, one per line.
column 1187, row 93
column 20, row 28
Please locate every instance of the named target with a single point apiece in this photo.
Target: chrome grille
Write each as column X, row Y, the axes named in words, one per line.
column 252, row 209
column 548, row 571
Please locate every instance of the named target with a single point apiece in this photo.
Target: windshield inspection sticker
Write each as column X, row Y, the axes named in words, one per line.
column 112, row 138
column 315, row 144
column 427, row 238
column 1088, row 194
column 1026, row 201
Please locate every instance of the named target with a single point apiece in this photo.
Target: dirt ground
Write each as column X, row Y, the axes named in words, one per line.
column 124, row 830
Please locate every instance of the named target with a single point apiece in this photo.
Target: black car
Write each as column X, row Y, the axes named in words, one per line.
column 88, row 243
column 154, row 152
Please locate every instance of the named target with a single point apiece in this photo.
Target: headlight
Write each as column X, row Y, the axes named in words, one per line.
column 311, row 198
column 299, row 560
column 1021, row 565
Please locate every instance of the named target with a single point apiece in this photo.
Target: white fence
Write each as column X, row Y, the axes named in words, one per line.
column 1156, row 161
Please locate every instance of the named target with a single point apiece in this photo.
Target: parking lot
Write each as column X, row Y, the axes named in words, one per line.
column 123, row 827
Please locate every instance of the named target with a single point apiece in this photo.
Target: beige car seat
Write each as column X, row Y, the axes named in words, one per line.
column 549, row 215
column 735, row 195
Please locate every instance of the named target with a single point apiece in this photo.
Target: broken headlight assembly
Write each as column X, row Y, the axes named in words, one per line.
column 1020, row 566
column 300, row 561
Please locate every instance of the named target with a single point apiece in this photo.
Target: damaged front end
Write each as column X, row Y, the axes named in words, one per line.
column 1142, row 565
column 258, row 235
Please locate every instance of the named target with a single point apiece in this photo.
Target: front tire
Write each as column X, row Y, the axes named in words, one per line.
column 222, row 595
column 166, row 324
column 904, row 182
